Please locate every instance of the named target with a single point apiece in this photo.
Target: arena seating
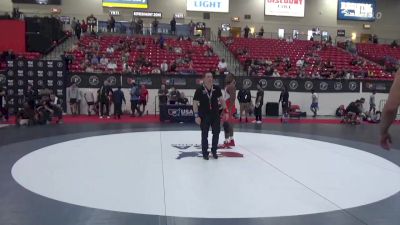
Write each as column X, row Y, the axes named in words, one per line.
column 152, row 52
column 262, row 49
column 377, row 52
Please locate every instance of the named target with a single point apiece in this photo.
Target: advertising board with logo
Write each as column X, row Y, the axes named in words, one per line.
column 292, row 8
column 41, row 75
column 208, row 5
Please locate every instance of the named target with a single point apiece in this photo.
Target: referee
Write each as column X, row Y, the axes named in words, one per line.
column 207, row 106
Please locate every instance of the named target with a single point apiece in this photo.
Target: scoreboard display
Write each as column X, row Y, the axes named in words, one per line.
column 363, row 10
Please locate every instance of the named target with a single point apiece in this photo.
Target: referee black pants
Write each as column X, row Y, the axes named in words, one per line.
column 213, row 121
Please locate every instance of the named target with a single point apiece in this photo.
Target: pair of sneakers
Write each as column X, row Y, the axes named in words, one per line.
column 228, row 144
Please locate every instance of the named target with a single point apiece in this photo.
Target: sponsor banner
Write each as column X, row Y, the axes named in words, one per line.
column 87, row 80
column 147, row 14
column 292, row 8
column 177, row 113
column 378, row 86
column 42, row 75
column 208, row 5
column 134, row 4
column 341, row 33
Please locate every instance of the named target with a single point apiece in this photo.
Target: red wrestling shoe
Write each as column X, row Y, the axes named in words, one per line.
column 232, row 143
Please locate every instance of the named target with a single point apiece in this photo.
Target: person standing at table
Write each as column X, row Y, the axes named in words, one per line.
column 104, row 99
column 207, row 104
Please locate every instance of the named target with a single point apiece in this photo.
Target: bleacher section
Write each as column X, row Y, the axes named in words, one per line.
column 315, row 55
column 201, row 64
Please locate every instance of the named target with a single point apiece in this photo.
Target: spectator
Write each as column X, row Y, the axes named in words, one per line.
column 118, row 98
column 276, row 73
column 139, row 26
column 126, row 68
column 135, row 97
column 112, row 66
column 84, row 26
column 89, row 68
column 92, row 23
column 95, row 60
column 161, row 41
column 300, row 63
column 394, row 44
column 155, row 26
column 284, row 99
column 111, row 24
column 104, row 60
column 110, row 49
column 10, row 56
column 246, row 32
column 31, row 96
column 156, row 70
column 173, row 26
column 164, row 67
column 261, row 33
column 259, row 104
column 144, row 97
column 173, row 96
column 222, row 65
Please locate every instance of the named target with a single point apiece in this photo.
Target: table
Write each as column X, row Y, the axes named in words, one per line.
column 177, row 113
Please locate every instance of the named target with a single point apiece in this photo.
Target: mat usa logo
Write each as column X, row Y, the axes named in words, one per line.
column 187, row 152
column 180, row 112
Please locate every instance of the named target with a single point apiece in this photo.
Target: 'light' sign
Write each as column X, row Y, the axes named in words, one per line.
column 208, row 5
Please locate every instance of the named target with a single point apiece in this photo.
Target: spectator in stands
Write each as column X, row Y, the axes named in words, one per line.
column 300, row 63
column 164, row 67
column 173, row 96
column 269, row 71
column 74, row 97
column 394, row 44
column 3, row 108
column 375, row 39
column 155, row 26
column 276, row 73
column 84, row 27
column 89, row 68
column 104, row 60
column 139, row 26
column 329, row 64
column 73, row 24
column 156, row 70
column 316, row 75
column 78, row 30
column 246, row 31
column 111, row 24
column 261, row 33
column 177, row 50
column 112, row 66
column 31, row 96
column 163, row 95
column 161, row 41
column 173, row 26
column 110, row 49
column 104, row 96
column 118, row 99
column 222, row 65
column 135, row 98
column 144, row 97
column 126, row 68
column 95, row 60
column 173, row 66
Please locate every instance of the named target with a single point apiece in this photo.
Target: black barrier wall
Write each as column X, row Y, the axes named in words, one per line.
column 40, row 74
column 86, row 80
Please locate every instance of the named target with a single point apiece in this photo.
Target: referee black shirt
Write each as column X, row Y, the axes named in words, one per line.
column 208, row 100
